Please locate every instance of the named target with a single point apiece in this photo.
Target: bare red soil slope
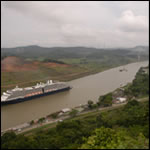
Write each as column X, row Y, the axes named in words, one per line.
column 15, row 64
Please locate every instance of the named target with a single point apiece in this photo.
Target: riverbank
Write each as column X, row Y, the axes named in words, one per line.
column 84, row 89
column 109, row 101
column 42, row 72
column 50, row 123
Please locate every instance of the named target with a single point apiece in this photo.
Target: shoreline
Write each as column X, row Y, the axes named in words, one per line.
column 77, row 76
column 89, row 75
column 29, row 128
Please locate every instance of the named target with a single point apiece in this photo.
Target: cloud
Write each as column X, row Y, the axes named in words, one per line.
column 129, row 22
column 40, row 11
column 74, row 23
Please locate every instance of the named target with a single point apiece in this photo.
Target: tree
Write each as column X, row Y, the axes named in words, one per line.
column 54, row 115
column 32, row 122
column 131, row 104
column 106, row 138
column 73, row 113
column 140, row 85
column 41, row 120
column 102, row 138
column 95, row 106
column 105, row 100
column 99, row 120
column 8, row 136
column 90, row 103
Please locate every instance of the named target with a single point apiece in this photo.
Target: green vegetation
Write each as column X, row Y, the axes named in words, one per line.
column 106, row 138
column 41, row 120
column 105, row 100
column 90, row 103
column 53, row 61
column 80, row 61
column 110, row 129
column 31, row 122
column 36, row 52
column 53, row 115
column 123, row 128
column 140, row 85
column 73, row 113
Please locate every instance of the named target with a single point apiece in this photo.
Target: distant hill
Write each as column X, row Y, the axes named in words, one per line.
column 141, row 48
column 35, row 51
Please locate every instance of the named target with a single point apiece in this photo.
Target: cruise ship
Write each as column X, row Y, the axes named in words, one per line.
column 23, row 94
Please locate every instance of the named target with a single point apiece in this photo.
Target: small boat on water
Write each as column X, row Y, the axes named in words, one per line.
column 123, row 70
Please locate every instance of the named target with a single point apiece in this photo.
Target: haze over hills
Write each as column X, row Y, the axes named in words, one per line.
column 71, row 52
column 34, row 47
column 141, row 48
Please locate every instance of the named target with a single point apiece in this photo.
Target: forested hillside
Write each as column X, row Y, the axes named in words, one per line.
column 74, row 52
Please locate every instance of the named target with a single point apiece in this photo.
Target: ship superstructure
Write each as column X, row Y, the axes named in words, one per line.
column 21, row 94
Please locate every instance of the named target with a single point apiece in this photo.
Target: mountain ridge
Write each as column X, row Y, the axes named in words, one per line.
column 27, row 46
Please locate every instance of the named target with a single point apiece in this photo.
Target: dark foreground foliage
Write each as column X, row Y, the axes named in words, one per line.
column 127, row 127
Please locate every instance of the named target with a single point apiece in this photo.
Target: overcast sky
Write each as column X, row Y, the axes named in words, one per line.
column 74, row 23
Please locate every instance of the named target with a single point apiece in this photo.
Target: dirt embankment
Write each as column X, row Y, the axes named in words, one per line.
column 51, row 64
column 15, row 64
column 19, row 65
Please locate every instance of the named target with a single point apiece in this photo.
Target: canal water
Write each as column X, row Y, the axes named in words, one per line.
column 84, row 89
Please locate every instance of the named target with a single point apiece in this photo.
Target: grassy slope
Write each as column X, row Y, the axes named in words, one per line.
column 28, row 78
column 83, row 61
column 76, row 70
